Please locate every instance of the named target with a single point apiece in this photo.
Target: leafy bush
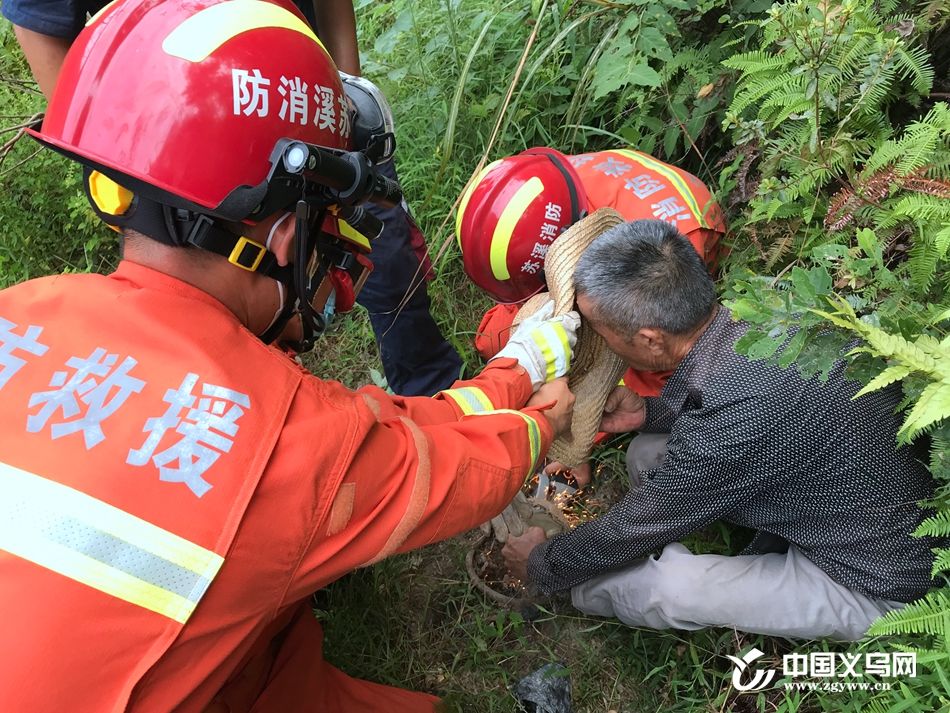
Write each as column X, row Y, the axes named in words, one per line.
column 851, row 188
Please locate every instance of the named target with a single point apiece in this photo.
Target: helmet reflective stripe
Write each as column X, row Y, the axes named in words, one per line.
column 95, row 543
column 674, row 178
column 467, row 195
column 105, row 7
column 201, row 34
column 501, row 238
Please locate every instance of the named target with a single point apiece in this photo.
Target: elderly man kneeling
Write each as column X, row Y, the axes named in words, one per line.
column 815, row 473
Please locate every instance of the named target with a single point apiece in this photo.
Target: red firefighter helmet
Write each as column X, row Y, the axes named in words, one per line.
column 183, row 102
column 510, row 214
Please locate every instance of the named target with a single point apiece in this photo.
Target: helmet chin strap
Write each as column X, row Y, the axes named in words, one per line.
column 281, row 296
column 287, row 304
column 304, row 286
column 576, row 212
column 280, row 305
column 306, row 281
column 285, row 311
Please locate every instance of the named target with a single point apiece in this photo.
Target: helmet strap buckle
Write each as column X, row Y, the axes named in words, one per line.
column 247, row 254
column 199, row 230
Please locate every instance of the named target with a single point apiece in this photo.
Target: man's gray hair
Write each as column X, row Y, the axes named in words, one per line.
column 645, row 274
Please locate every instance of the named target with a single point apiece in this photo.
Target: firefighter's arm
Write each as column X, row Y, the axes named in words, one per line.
column 503, row 384
column 493, row 331
column 407, row 485
column 540, row 349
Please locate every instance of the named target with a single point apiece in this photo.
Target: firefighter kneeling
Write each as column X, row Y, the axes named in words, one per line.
column 516, row 207
column 173, row 487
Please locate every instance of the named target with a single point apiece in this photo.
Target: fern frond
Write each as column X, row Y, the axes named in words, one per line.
column 941, row 240
column 894, row 346
column 934, row 348
column 939, row 116
column 877, row 705
column 941, row 561
column 936, row 526
column 939, row 166
column 940, row 454
column 875, row 89
column 779, row 248
column 915, row 152
column 756, row 62
column 758, row 88
column 854, row 54
column 917, row 148
column 923, row 208
column 930, row 615
column 793, row 91
column 886, row 154
column 686, row 58
column 915, row 64
column 789, row 106
column 932, row 406
column 922, row 264
column 885, row 378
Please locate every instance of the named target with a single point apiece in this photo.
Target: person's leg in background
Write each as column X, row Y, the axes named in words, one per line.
column 417, row 359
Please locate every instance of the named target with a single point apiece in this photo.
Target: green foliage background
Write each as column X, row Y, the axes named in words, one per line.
column 824, row 129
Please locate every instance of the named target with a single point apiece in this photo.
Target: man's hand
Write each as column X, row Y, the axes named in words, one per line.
column 581, row 472
column 517, row 550
column 560, row 414
column 624, row 411
column 543, row 344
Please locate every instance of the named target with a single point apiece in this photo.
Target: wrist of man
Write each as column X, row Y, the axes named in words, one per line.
column 538, row 573
column 537, row 412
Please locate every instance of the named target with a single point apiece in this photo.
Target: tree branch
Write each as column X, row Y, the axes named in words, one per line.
column 7, row 148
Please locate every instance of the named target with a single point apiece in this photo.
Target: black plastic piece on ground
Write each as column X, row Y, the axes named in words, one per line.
column 547, row 690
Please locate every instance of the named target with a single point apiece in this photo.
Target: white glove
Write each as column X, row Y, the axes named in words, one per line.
column 543, row 344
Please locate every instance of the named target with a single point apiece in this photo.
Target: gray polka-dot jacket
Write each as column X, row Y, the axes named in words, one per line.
column 760, row 446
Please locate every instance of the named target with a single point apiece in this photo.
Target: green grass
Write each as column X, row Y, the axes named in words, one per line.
column 447, row 66
column 48, row 227
column 416, row 621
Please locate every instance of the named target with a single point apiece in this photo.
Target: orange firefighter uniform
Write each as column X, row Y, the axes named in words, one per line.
column 171, row 491
column 637, row 186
